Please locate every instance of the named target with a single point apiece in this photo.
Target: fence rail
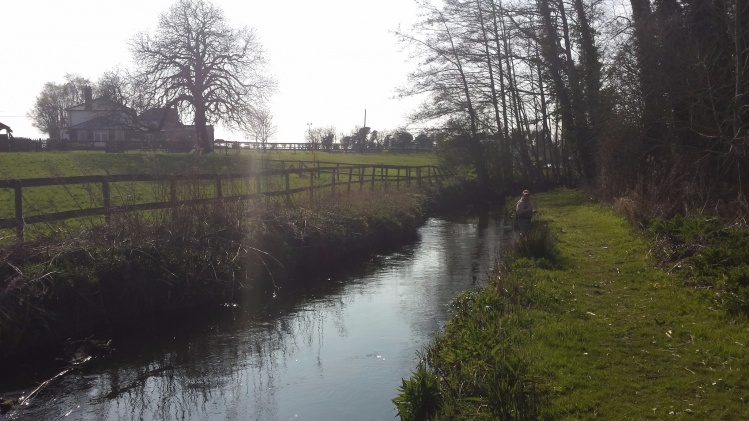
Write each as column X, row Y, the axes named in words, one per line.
column 336, row 177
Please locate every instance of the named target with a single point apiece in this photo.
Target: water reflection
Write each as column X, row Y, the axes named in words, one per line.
column 335, row 351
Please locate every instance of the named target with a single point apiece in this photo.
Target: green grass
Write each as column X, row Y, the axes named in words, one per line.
column 42, row 200
column 620, row 339
column 596, row 330
column 61, row 164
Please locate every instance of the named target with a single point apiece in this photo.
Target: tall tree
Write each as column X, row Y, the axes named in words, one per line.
column 209, row 70
column 446, row 74
column 48, row 114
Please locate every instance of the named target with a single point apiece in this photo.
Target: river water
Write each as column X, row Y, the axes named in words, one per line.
column 334, row 351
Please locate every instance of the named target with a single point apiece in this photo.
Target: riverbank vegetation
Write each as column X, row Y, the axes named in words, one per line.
column 587, row 319
column 141, row 264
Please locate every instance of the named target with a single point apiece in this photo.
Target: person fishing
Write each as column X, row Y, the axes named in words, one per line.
column 524, row 212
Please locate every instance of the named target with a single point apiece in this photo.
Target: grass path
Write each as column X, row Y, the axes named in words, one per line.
column 615, row 337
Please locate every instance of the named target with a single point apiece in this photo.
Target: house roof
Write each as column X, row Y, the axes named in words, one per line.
column 156, row 117
column 100, row 123
column 97, row 104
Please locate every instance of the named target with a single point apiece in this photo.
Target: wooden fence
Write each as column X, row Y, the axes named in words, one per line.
column 41, row 145
column 287, row 182
column 307, row 146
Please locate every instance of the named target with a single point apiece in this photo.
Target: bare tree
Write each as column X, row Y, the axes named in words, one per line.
column 48, row 113
column 446, row 73
column 261, row 126
column 321, row 137
column 209, row 70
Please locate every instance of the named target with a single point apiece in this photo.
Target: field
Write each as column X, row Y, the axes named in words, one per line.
column 62, row 164
column 65, row 198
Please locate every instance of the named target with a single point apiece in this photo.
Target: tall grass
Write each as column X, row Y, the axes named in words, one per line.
column 475, row 368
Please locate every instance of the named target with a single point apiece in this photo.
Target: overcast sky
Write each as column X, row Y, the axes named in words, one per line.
column 332, row 59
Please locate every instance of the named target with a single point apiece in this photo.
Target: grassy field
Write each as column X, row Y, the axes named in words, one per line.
column 61, row 164
column 42, row 200
column 598, row 332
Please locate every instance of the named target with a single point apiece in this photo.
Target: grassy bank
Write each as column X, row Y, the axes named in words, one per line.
column 143, row 265
column 591, row 328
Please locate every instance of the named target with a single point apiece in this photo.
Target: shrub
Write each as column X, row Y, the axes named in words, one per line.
column 418, row 397
column 710, row 255
column 539, row 245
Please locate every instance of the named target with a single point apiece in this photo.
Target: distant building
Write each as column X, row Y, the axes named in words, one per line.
column 100, row 120
column 5, row 137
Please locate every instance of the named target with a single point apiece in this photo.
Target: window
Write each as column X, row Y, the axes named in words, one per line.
column 101, row 136
column 81, row 136
column 119, row 135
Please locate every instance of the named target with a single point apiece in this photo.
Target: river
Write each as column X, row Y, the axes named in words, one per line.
column 334, row 351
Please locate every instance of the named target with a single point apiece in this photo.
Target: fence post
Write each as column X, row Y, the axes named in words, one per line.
column 350, row 175
column 19, row 209
column 105, row 198
column 418, row 176
column 333, row 179
column 288, row 184
column 172, row 189
column 219, row 191
column 374, row 170
column 311, row 185
column 398, row 179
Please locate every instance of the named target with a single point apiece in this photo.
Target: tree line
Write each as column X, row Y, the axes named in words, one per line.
column 362, row 139
column 646, row 99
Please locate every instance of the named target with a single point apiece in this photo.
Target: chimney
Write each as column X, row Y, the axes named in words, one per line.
column 87, row 97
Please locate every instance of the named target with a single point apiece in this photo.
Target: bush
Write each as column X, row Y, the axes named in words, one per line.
column 419, row 396
column 539, row 244
column 709, row 254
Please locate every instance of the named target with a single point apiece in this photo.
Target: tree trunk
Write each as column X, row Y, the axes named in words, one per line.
column 508, row 172
column 203, row 141
column 741, row 98
column 550, row 52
